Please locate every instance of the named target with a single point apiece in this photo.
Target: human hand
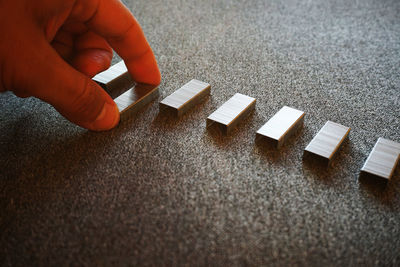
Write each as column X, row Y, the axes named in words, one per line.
column 51, row 48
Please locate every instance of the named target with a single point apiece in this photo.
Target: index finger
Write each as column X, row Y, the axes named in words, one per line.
column 114, row 22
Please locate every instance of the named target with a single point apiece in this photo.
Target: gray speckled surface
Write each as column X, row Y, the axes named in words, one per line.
column 164, row 191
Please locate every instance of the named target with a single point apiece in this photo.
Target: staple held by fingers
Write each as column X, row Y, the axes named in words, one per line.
column 115, row 80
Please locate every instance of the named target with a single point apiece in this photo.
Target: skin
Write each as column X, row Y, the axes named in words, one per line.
column 50, row 49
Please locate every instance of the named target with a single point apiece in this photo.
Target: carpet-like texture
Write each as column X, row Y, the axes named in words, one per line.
column 164, row 191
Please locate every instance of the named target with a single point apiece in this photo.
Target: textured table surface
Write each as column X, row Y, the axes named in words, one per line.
column 163, row 191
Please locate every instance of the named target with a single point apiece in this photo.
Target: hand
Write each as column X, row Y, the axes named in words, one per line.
column 51, row 48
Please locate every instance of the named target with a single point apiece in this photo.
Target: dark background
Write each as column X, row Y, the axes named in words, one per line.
column 163, row 191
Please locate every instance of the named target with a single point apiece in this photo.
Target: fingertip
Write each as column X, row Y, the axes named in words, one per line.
column 78, row 98
column 156, row 80
column 145, row 70
column 107, row 119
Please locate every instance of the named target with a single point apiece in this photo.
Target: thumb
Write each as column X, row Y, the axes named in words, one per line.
column 73, row 94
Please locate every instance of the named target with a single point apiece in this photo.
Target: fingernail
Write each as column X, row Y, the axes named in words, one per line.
column 107, row 119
